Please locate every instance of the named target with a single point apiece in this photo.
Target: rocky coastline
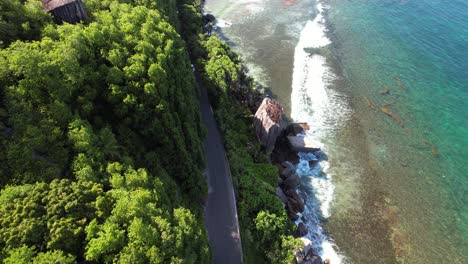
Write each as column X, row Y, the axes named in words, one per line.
column 282, row 141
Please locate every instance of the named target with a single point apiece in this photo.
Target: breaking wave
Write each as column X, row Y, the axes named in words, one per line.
column 324, row 110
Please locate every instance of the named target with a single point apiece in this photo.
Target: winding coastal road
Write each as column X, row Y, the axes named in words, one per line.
column 220, row 212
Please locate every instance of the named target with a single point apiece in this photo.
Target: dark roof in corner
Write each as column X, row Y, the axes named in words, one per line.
column 52, row 4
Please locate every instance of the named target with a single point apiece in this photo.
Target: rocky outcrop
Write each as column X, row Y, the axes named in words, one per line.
column 301, row 230
column 209, row 18
column 287, row 192
column 308, row 255
column 303, row 144
column 267, row 123
column 291, row 182
column 287, row 169
column 285, row 143
column 297, row 128
column 279, row 192
column 294, row 203
column 284, row 150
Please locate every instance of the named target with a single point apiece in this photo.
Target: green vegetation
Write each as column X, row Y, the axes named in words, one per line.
column 20, row 20
column 101, row 138
column 264, row 224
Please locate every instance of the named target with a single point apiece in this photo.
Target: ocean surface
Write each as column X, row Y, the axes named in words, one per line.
column 384, row 86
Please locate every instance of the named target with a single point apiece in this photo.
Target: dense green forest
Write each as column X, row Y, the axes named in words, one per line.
column 101, row 138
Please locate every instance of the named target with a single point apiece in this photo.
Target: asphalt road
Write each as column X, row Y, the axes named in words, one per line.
column 220, row 210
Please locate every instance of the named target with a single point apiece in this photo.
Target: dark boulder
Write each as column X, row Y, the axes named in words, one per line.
column 301, row 230
column 281, row 195
column 292, row 215
column 291, row 182
column 303, row 144
column 311, row 257
column 209, row 18
column 294, row 201
column 296, row 128
column 283, row 151
column 312, row 163
column 288, row 169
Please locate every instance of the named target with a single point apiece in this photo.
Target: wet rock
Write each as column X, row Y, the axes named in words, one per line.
column 281, row 195
column 282, row 151
column 291, row 182
column 209, row 18
column 267, row 123
column 314, row 260
column 292, row 215
column 303, row 144
column 285, row 164
column 300, row 256
column 287, row 171
column 307, row 255
column 294, row 202
column 301, row 230
column 305, row 126
column 312, row 163
column 312, row 257
column 307, row 244
column 296, row 128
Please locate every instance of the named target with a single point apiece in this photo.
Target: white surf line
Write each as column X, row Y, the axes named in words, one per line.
column 310, row 102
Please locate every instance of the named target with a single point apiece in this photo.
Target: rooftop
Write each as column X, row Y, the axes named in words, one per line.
column 52, row 4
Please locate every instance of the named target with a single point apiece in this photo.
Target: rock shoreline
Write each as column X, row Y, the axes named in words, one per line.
column 289, row 139
column 282, row 142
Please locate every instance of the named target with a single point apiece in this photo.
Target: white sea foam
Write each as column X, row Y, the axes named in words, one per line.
column 222, row 23
column 324, row 109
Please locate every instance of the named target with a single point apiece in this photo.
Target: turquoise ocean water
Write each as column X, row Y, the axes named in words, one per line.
column 391, row 189
column 419, row 50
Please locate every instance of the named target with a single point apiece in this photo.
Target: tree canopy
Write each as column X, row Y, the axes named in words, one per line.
column 101, row 137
